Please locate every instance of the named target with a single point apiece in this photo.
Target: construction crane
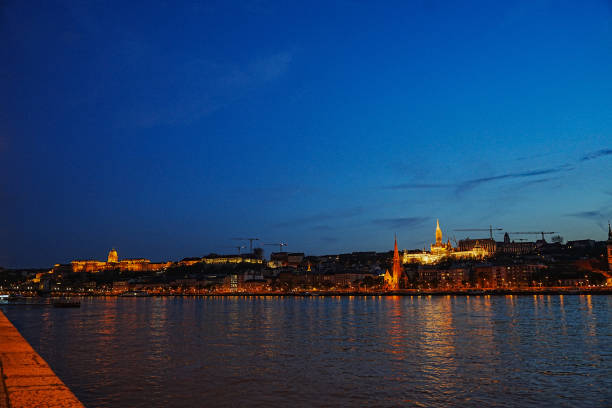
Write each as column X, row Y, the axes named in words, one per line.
column 247, row 239
column 532, row 233
column 490, row 229
column 280, row 246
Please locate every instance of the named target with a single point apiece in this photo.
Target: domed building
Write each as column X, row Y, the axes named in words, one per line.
column 112, row 256
column 112, row 263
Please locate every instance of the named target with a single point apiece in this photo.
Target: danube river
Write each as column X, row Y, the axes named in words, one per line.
column 328, row 351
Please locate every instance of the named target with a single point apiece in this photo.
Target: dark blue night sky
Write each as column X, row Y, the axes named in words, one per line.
column 165, row 131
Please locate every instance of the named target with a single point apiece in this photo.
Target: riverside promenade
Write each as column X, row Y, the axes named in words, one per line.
column 26, row 380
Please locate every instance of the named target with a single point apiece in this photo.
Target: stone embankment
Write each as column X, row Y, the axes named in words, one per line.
column 26, row 380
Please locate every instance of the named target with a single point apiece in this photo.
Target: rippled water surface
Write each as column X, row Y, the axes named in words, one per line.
column 329, row 351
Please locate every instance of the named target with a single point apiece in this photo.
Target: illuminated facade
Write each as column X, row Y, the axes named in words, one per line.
column 468, row 244
column 285, row 259
column 220, row 260
column 441, row 251
column 112, row 256
column 88, row 265
column 436, row 277
column 439, row 247
column 113, row 263
column 231, row 259
column 505, row 276
column 392, row 280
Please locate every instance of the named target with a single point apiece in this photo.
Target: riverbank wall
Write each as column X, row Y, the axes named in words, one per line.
column 26, row 380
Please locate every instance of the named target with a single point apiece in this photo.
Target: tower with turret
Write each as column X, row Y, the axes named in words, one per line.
column 440, row 247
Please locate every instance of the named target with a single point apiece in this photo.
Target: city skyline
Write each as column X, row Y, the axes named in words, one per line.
column 439, row 248
column 266, row 203
column 167, row 142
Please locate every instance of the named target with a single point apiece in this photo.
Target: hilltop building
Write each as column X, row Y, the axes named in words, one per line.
column 112, row 256
column 488, row 244
column 214, row 259
column 112, row 263
column 439, row 247
column 514, row 248
column 441, row 251
column 285, row 259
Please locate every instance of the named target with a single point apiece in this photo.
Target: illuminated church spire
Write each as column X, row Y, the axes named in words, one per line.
column 392, row 279
column 397, row 267
column 438, row 233
column 395, row 254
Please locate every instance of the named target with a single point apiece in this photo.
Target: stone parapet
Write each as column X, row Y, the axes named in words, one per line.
column 26, row 379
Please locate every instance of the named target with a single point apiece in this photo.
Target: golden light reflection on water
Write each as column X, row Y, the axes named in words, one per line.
column 437, row 328
column 394, row 332
column 590, row 318
column 350, row 351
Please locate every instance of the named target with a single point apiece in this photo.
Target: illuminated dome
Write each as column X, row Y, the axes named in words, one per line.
column 112, row 256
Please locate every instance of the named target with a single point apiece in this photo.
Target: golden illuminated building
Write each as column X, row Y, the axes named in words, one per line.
column 439, row 247
column 113, row 263
column 112, row 256
column 88, row 265
column 220, row 260
column 231, row 259
column 441, row 251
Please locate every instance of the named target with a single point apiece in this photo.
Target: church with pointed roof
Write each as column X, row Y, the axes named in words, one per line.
column 443, row 250
column 439, row 247
column 392, row 280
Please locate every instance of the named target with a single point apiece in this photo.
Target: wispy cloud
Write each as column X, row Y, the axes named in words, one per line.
column 473, row 183
column 402, row 222
column 532, row 156
column 598, row 216
column 586, row 214
column 470, row 184
column 537, row 181
column 596, row 154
